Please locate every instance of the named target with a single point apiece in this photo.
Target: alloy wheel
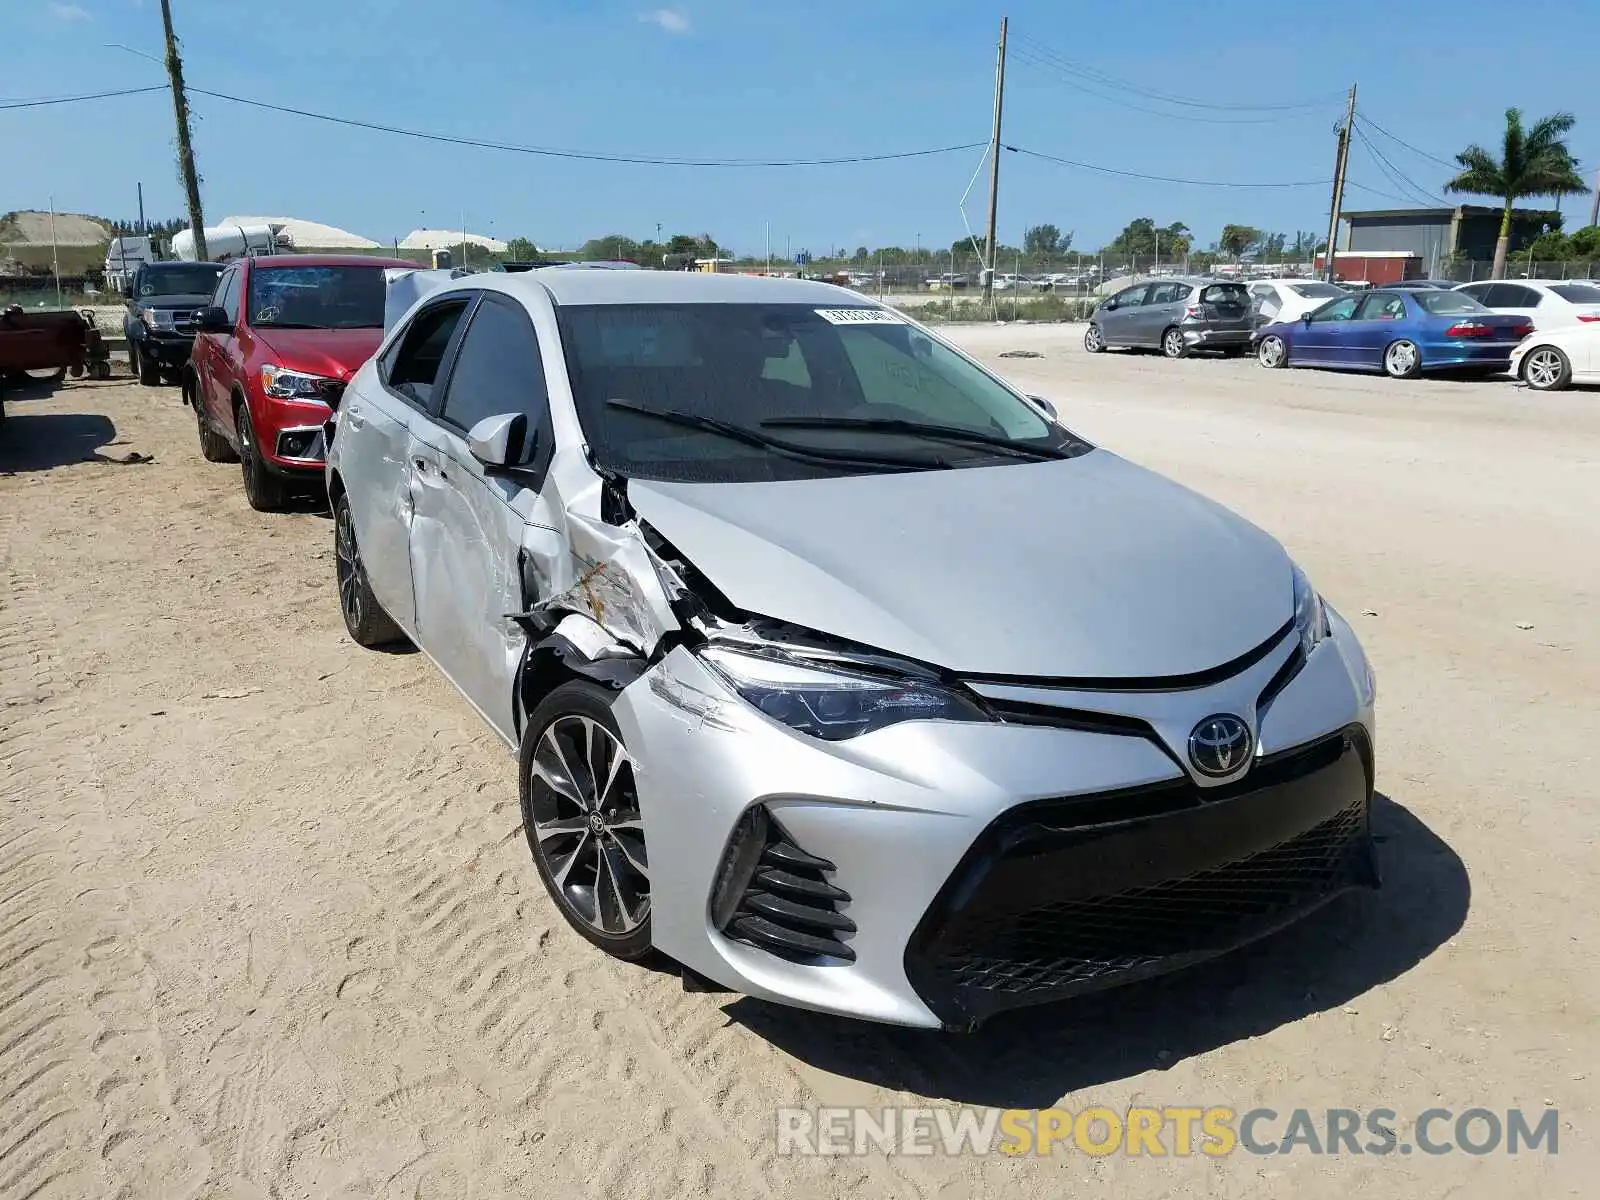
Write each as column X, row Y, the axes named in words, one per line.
column 347, row 562
column 1544, row 368
column 1172, row 344
column 1092, row 339
column 1270, row 352
column 587, row 824
column 1400, row 359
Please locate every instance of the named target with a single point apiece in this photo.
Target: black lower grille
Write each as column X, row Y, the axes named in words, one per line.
column 772, row 894
column 1044, row 908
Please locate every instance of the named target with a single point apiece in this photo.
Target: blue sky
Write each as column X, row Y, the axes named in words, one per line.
column 746, row 78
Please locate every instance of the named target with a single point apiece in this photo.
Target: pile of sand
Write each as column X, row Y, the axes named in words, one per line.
column 71, row 229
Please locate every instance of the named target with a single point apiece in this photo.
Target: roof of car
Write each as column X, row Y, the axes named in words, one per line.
column 568, row 286
column 329, row 260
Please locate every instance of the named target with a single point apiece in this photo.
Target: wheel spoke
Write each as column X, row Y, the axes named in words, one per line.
column 560, row 827
column 583, row 851
column 573, row 790
column 562, row 785
column 624, row 903
column 633, row 849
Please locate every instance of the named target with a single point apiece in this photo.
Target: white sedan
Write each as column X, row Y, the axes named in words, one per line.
column 1548, row 303
column 1291, row 299
column 1551, row 359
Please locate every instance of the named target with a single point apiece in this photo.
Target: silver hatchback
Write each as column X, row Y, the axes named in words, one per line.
column 840, row 672
column 1174, row 316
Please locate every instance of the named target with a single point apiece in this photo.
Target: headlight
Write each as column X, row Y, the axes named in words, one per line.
column 1310, row 618
column 157, row 318
column 831, row 701
column 284, row 384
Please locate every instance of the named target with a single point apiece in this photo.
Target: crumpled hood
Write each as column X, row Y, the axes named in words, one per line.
column 332, row 353
column 1087, row 568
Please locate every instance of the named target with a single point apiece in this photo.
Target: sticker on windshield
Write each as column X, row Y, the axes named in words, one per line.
column 860, row 316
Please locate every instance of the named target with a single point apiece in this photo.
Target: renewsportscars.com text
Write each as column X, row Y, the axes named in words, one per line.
column 1177, row 1131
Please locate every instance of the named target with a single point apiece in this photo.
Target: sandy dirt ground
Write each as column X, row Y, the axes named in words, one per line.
column 268, row 926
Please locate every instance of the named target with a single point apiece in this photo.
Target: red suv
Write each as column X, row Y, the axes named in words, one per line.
column 282, row 337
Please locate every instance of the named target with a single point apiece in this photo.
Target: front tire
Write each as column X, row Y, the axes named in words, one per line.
column 149, row 372
column 1547, row 369
column 214, row 447
column 1094, row 341
column 1172, row 343
column 1272, row 353
column 364, row 618
column 580, row 811
column 264, row 490
column 1402, row 360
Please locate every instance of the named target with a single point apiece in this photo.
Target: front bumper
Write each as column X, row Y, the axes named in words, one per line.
column 981, row 867
column 170, row 350
column 293, row 434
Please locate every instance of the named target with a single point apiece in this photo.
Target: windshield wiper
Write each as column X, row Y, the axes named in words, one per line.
column 946, row 433
column 752, row 437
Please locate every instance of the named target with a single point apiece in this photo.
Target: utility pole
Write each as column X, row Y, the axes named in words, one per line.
column 1594, row 209
column 180, row 108
column 143, row 228
column 991, row 246
column 1339, row 165
column 55, row 252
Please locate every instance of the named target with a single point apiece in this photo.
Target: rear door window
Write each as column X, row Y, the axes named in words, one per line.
column 1168, row 293
column 1381, row 306
column 412, row 366
column 1225, row 295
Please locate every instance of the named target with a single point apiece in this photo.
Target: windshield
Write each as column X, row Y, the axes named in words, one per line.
column 859, row 390
column 198, row 279
column 1440, row 303
column 1317, row 291
column 1577, row 293
column 316, row 297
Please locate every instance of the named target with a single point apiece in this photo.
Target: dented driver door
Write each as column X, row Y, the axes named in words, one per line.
column 469, row 519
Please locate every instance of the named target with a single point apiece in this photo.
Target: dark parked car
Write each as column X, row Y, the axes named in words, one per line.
column 159, row 324
column 1423, row 285
column 1175, row 316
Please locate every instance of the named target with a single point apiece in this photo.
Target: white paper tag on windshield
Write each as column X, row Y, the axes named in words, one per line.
column 860, row 316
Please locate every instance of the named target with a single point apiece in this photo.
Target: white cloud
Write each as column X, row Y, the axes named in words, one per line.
column 67, row 12
column 673, row 20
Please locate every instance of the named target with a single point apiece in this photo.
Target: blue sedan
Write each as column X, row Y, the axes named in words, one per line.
column 1401, row 333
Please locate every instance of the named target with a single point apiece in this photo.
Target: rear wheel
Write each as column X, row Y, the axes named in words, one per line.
column 580, row 811
column 1172, row 343
column 1272, row 352
column 264, row 490
column 364, row 617
column 1546, row 369
column 1402, row 360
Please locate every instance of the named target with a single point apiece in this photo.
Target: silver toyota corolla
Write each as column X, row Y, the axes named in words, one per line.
column 842, row 673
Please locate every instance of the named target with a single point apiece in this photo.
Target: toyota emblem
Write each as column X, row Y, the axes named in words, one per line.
column 1220, row 745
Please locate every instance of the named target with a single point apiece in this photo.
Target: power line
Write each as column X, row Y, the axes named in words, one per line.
column 1026, row 57
column 1222, row 183
column 1379, row 192
column 46, row 101
column 1396, row 176
column 584, row 155
column 1097, row 76
column 1373, row 125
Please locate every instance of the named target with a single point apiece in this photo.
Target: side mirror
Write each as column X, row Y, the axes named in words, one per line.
column 1044, row 406
column 497, row 441
column 215, row 320
column 1306, row 318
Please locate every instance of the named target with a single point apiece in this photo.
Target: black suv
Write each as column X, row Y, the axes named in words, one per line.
column 162, row 305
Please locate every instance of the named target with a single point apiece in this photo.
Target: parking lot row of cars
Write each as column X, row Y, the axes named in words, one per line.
column 800, row 701
column 1546, row 333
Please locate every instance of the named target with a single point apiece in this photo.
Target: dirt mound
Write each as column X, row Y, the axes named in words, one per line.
column 72, row 229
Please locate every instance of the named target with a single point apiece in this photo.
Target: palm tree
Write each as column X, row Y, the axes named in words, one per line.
column 1536, row 162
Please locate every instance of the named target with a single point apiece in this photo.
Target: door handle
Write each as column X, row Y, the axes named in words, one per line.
column 357, row 421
